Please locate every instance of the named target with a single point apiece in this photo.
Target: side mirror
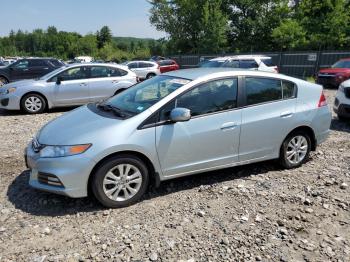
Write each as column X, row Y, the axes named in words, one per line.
column 180, row 114
column 59, row 80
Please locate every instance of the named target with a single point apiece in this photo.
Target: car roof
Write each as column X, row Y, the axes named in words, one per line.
column 345, row 59
column 196, row 73
column 141, row 61
column 243, row 57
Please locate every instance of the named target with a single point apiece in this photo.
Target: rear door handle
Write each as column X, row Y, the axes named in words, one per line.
column 228, row 125
column 286, row 114
column 114, row 81
column 83, row 84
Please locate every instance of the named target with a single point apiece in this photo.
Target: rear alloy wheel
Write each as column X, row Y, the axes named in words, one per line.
column 120, row 181
column 3, row 81
column 295, row 150
column 33, row 104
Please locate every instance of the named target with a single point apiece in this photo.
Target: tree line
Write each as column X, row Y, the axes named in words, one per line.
column 202, row 27
column 67, row 45
column 217, row 26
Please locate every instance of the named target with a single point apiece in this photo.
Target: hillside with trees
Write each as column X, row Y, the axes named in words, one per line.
column 67, row 45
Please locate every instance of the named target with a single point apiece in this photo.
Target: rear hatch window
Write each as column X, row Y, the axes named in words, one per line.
column 268, row 62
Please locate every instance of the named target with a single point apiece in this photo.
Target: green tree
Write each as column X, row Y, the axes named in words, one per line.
column 289, row 35
column 327, row 22
column 192, row 25
column 103, row 36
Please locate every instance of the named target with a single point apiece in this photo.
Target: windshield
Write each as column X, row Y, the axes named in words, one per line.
column 51, row 74
column 212, row 64
column 139, row 97
column 342, row 64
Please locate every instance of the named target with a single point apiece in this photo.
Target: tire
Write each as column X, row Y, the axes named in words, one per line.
column 343, row 118
column 3, row 81
column 150, row 75
column 114, row 193
column 33, row 104
column 293, row 155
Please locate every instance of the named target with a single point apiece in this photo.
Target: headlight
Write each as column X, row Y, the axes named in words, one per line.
column 60, row 151
column 341, row 88
column 10, row 90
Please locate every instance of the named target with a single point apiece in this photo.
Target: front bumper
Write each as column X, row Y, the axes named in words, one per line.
column 72, row 172
column 10, row 102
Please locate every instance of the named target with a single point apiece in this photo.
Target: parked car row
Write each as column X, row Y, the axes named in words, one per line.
column 149, row 69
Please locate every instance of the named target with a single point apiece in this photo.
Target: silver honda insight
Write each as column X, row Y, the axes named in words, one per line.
column 177, row 124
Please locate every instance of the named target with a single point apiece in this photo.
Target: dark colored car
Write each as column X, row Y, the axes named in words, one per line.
column 168, row 65
column 28, row 68
column 334, row 76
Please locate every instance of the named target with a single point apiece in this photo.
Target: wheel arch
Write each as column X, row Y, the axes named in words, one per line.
column 154, row 176
column 308, row 130
column 4, row 76
column 48, row 103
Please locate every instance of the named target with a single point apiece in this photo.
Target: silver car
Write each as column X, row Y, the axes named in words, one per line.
column 177, row 124
column 67, row 86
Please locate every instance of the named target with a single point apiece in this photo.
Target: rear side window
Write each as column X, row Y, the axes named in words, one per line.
column 231, row 64
column 248, row 64
column 145, row 65
column 37, row 62
column 56, row 63
column 289, row 89
column 268, row 62
column 99, row 72
column 132, row 65
column 262, row 90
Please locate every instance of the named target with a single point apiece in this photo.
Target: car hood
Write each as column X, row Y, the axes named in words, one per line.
column 335, row 70
column 80, row 126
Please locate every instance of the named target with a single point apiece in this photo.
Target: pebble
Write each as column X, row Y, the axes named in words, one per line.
column 153, row 256
column 309, row 210
column 47, row 231
column 225, row 241
column 343, row 186
column 201, row 213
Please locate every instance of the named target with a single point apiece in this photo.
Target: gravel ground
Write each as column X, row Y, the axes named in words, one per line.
column 252, row 213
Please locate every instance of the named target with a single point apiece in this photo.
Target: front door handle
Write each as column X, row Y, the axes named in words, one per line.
column 83, row 84
column 114, row 81
column 286, row 114
column 228, row 125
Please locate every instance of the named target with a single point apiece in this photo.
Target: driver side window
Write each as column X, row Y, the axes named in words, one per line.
column 75, row 73
column 23, row 64
column 210, row 97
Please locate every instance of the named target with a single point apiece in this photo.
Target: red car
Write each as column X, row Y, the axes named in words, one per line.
column 334, row 76
column 168, row 65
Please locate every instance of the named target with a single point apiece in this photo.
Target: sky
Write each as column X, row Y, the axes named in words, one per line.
column 124, row 17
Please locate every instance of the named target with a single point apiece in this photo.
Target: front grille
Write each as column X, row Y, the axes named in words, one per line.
column 347, row 92
column 49, row 179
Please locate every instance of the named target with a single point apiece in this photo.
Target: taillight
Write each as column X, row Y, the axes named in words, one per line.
column 322, row 101
column 138, row 79
column 276, row 69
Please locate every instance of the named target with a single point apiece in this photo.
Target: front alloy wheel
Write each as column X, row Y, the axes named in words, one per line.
column 120, row 181
column 295, row 150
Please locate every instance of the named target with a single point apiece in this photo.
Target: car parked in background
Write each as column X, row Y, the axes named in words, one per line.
column 177, row 124
column 168, row 65
column 334, row 76
column 28, row 68
column 143, row 69
column 67, row 86
column 259, row 62
column 342, row 101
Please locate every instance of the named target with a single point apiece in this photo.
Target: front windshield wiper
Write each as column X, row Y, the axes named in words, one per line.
column 116, row 110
